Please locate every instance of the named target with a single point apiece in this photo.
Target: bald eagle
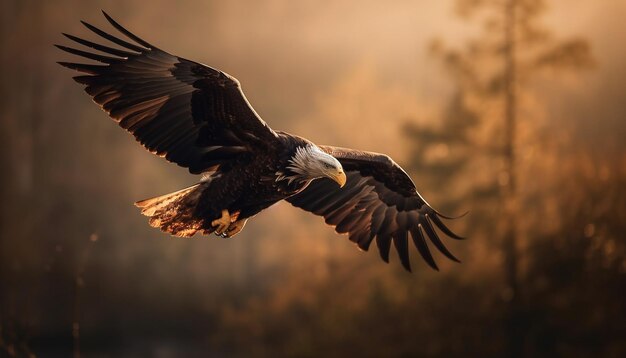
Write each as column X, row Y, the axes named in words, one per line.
column 198, row 117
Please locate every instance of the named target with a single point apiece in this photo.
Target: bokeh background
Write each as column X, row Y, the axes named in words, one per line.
column 513, row 110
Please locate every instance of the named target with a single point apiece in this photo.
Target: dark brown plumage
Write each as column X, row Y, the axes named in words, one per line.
column 379, row 201
column 198, row 117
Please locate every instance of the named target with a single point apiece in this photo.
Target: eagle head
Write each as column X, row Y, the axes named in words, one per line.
column 310, row 162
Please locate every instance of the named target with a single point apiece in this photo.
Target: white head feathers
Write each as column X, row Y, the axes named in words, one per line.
column 310, row 162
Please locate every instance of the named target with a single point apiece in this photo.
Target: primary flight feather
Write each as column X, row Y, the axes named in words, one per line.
column 198, row 117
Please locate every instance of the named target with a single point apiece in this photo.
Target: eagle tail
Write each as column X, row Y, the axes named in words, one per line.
column 174, row 212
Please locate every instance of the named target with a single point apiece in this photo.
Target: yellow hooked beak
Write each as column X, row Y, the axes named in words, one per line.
column 340, row 178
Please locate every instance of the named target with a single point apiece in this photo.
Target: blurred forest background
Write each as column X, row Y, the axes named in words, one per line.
column 513, row 110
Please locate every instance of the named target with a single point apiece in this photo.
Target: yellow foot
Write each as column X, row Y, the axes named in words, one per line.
column 235, row 228
column 222, row 223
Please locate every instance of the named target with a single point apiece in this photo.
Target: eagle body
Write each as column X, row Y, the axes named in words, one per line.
column 198, row 117
column 252, row 183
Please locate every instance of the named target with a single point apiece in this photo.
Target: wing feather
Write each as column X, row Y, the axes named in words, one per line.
column 401, row 243
column 101, row 48
column 422, row 247
column 112, row 38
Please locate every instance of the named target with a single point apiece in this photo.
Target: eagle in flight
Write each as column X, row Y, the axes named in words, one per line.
column 198, row 117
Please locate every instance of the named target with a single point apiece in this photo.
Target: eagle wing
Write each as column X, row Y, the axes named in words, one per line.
column 379, row 201
column 189, row 113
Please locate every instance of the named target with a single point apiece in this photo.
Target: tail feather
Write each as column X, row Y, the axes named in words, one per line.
column 174, row 212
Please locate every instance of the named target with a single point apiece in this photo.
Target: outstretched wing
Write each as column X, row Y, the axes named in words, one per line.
column 189, row 113
column 379, row 201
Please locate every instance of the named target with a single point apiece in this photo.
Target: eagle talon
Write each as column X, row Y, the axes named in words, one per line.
column 235, row 228
column 222, row 223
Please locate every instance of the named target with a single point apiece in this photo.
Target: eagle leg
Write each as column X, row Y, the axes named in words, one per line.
column 235, row 228
column 222, row 223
